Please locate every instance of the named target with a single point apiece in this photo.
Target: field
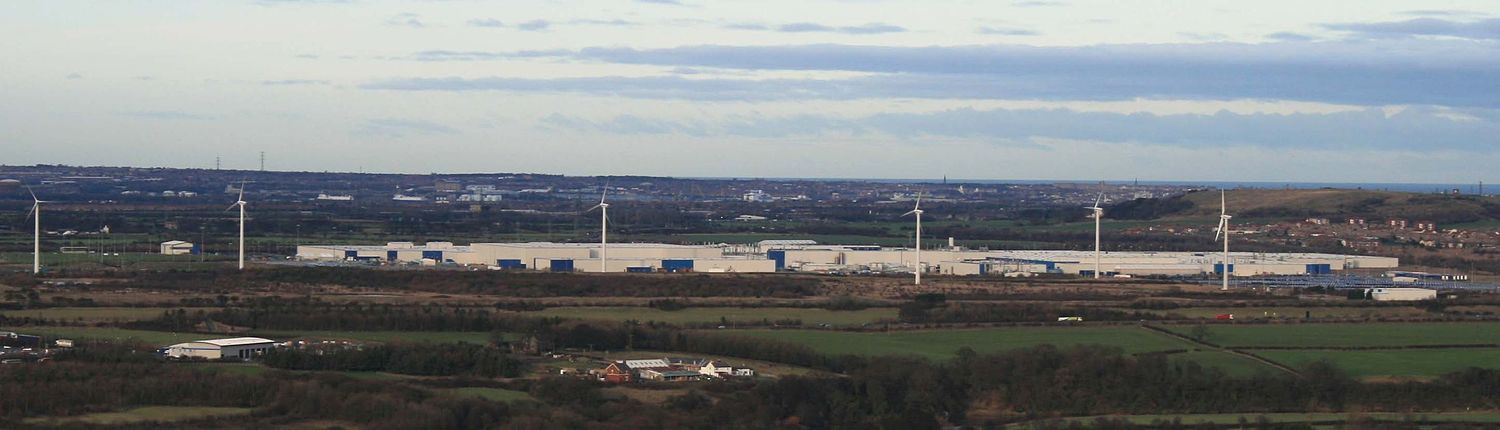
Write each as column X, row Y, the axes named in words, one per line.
column 1348, row 335
column 942, row 344
column 1231, row 419
column 144, row 414
column 92, row 315
column 1287, row 312
column 166, row 338
column 491, row 394
column 1392, row 362
column 808, row 316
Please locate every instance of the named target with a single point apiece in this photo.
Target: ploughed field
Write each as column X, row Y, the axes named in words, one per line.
column 729, row 315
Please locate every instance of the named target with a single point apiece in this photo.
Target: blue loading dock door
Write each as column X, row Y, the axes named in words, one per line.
column 434, row 255
column 677, row 265
column 510, row 264
column 392, row 255
column 780, row 257
column 1219, row 268
column 562, row 265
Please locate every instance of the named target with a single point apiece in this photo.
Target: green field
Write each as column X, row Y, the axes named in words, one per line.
column 91, row 315
column 1231, row 419
column 942, row 344
column 1392, row 362
column 144, row 414
column 1287, row 312
column 166, row 338
column 491, row 394
column 1348, row 335
column 110, row 333
column 808, row 316
column 380, row 336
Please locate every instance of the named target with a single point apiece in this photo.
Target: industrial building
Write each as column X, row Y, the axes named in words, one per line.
column 242, row 348
column 177, row 247
column 549, row 256
column 1402, row 294
column 808, row 256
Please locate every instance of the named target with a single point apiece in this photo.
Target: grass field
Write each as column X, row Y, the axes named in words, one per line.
column 809, row 316
column 942, row 344
column 1392, row 362
column 491, row 394
column 91, row 315
column 1230, row 419
column 1349, row 335
column 381, row 336
column 166, row 338
column 143, row 414
column 1288, row 313
column 109, row 333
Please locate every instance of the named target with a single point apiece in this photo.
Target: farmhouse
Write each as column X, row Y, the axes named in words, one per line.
column 242, row 348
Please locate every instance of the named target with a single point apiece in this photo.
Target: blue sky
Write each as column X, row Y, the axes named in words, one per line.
column 1338, row 91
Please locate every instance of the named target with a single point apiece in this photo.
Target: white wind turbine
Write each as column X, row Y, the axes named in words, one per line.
column 603, row 230
column 1098, row 215
column 917, row 210
column 240, row 202
column 36, row 244
column 1223, row 229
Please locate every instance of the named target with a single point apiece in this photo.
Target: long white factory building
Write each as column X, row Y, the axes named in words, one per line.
column 773, row 256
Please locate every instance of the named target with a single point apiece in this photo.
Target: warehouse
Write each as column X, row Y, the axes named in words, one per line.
column 393, row 252
column 177, row 247
column 1402, row 294
column 242, row 348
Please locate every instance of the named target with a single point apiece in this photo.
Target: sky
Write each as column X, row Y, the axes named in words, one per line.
column 1270, row 90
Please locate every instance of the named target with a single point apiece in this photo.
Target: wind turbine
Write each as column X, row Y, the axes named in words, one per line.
column 1098, row 215
column 241, row 203
column 603, row 229
column 917, row 210
column 1223, row 229
column 36, row 250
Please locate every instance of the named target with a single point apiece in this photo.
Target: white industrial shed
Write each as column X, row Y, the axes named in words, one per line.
column 176, row 247
column 242, row 348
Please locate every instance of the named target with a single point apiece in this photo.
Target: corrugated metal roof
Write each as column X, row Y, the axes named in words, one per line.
column 237, row 341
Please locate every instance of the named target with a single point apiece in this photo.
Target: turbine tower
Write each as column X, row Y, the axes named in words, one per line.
column 36, row 244
column 1223, row 229
column 603, row 230
column 1098, row 215
column 917, row 210
column 241, row 204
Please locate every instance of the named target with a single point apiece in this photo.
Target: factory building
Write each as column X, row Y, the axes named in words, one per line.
column 242, row 348
column 548, row 256
column 177, row 247
column 1402, row 294
column 805, row 256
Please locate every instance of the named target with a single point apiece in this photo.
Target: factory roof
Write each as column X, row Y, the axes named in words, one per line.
column 588, row 245
column 236, row 341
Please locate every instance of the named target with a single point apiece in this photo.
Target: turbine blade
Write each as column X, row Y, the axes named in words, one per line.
column 1098, row 200
column 1223, row 207
column 909, row 212
column 31, row 211
column 33, row 194
column 242, row 191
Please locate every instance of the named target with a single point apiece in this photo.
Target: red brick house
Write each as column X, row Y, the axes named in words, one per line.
column 618, row 373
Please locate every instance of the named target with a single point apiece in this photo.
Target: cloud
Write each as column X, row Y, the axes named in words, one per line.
column 1438, row 12
column 295, row 82
column 812, row 27
column 1285, row 36
column 74, row 76
column 297, row 2
column 406, row 20
column 398, row 128
column 486, row 22
column 1006, row 31
column 167, row 115
column 604, row 22
column 1038, row 3
column 1436, row 129
column 1449, row 73
column 1485, row 29
column 665, row 2
column 534, row 25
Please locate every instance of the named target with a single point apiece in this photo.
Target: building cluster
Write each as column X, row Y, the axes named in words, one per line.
column 808, row 256
column 239, row 348
column 671, row 369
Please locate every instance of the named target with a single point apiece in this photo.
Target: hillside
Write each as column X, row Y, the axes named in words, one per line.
column 1330, row 203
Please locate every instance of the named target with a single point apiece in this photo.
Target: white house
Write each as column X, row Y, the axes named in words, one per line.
column 716, row 368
